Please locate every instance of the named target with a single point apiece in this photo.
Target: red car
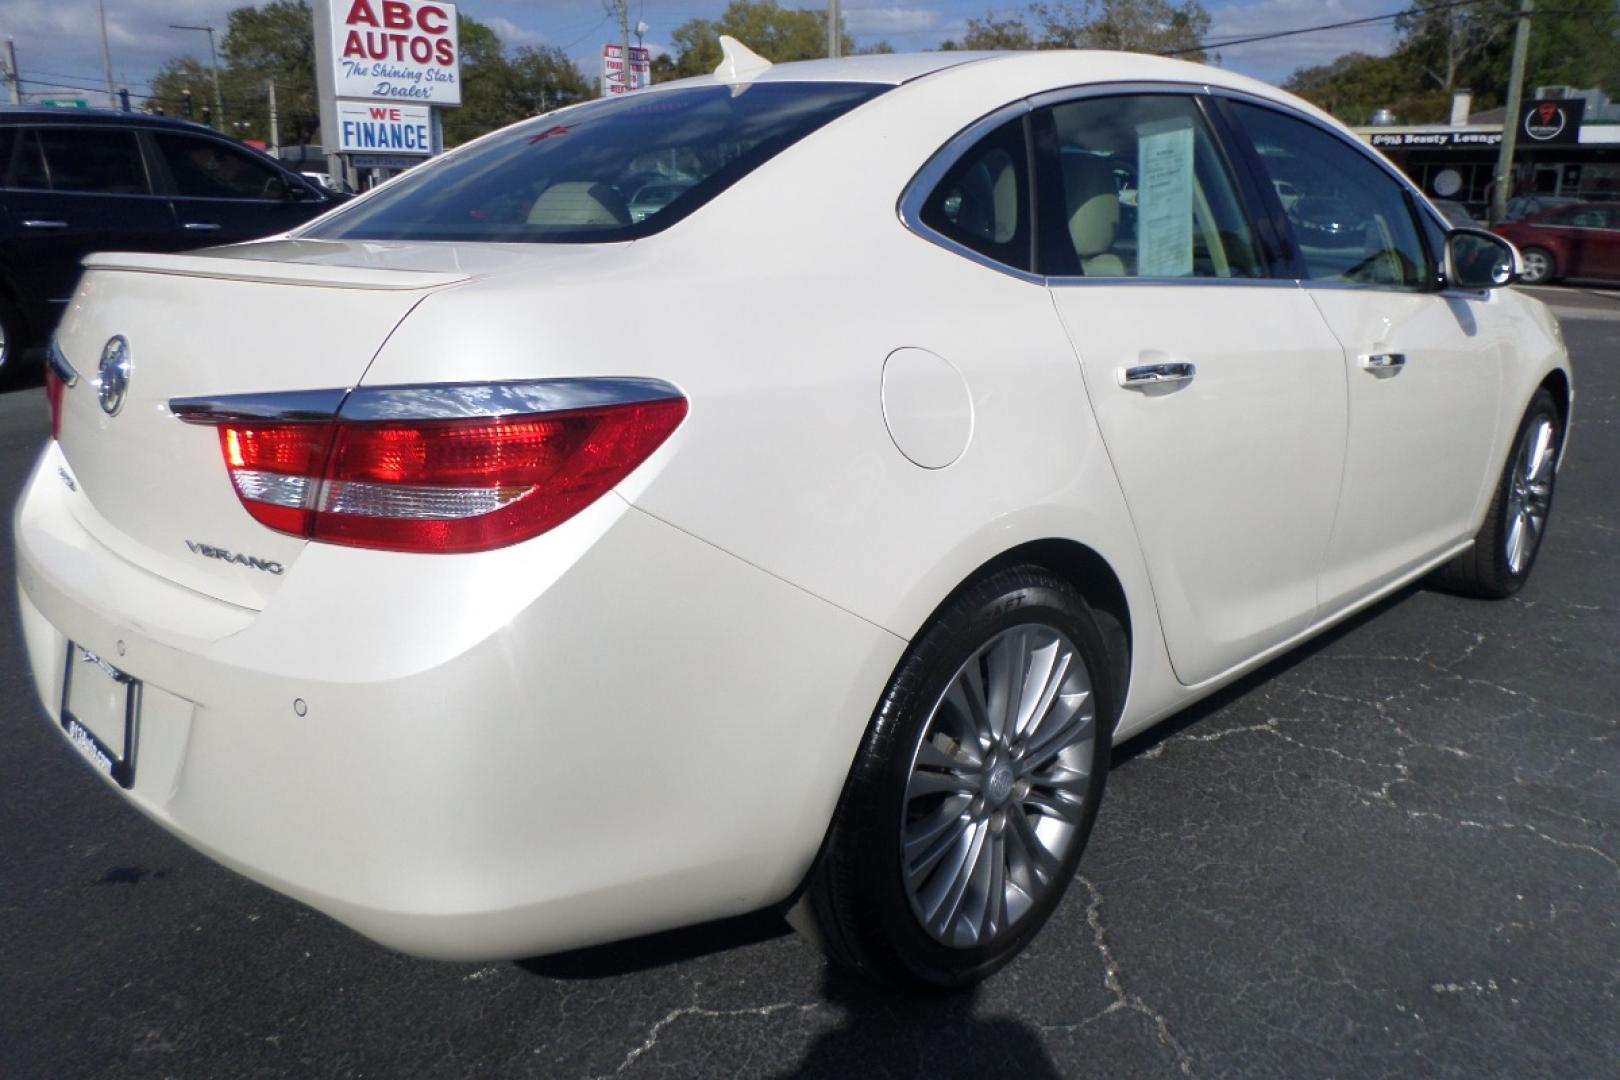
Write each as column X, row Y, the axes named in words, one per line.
column 1579, row 241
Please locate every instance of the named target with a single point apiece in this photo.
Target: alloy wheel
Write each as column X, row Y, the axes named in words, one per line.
column 1529, row 494
column 1537, row 266
column 998, row 785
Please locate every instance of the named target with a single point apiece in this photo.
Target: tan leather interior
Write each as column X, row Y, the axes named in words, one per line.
column 1094, row 214
column 579, row 202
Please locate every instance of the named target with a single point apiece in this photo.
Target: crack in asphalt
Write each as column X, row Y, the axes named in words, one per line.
column 685, row 1011
column 1124, row 1001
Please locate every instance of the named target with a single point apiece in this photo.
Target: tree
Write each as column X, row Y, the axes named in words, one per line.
column 1439, row 51
column 996, row 31
column 778, row 34
column 277, row 40
column 497, row 90
column 1150, row 26
column 1355, row 85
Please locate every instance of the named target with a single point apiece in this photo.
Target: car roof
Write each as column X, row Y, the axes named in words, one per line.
column 15, row 114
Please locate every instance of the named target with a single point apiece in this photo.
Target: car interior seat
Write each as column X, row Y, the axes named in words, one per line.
column 579, row 203
column 1093, row 214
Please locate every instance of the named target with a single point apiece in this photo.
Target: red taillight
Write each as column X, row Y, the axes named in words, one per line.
column 439, row 485
column 54, row 386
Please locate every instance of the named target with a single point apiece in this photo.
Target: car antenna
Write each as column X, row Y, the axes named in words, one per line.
column 741, row 63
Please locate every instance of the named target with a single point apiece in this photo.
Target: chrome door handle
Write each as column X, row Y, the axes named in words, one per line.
column 1384, row 362
column 43, row 223
column 1144, row 375
column 200, row 226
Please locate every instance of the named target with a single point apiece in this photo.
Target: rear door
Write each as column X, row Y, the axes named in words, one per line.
column 72, row 190
column 222, row 194
column 1218, row 389
column 1422, row 366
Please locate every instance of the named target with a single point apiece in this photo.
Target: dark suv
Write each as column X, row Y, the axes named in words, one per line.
column 82, row 180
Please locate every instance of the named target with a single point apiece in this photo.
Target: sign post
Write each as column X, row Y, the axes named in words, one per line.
column 384, row 68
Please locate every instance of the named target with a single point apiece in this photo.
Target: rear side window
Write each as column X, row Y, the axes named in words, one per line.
column 1139, row 188
column 206, row 169
column 28, row 163
column 1352, row 221
column 615, row 169
column 100, row 160
column 982, row 203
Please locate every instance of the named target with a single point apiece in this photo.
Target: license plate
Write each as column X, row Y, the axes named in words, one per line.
column 101, row 707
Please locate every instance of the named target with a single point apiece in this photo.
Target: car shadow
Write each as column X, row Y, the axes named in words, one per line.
column 887, row 1032
column 658, row 950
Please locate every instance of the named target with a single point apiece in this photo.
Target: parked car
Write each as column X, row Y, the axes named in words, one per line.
column 811, row 549
column 1456, row 214
column 73, row 182
column 1581, row 240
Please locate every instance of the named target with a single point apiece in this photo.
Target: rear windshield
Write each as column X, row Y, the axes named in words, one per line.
column 615, row 169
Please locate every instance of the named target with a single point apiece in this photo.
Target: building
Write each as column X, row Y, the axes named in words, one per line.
column 1568, row 147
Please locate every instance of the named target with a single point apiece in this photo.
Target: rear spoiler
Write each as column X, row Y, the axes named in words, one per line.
column 236, row 268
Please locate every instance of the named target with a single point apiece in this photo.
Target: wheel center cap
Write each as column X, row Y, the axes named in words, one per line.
column 998, row 786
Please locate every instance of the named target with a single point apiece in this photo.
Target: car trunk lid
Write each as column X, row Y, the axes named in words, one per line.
column 155, row 489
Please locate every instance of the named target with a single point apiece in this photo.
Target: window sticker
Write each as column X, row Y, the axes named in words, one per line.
column 1164, row 170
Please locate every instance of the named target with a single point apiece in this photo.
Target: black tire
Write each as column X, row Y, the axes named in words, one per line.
column 1538, row 256
column 1490, row 569
column 857, row 897
column 13, row 345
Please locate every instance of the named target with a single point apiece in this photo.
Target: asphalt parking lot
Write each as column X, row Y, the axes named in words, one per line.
column 1394, row 853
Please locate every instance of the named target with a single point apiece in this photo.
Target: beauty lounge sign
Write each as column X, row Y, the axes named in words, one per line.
column 396, row 50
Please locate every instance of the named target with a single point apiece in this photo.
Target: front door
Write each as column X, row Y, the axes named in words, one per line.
column 1219, row 390
column 1422, row 367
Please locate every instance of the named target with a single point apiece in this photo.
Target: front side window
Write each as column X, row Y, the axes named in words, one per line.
column 1136, row 187
column 1352, row 222
column 206, row 169
column 99, row 160
column 615, row 169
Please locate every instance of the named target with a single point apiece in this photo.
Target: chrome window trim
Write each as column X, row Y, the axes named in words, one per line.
column 1371, row 153
column 424, row 401
column 1214, row 282
column 927, row 178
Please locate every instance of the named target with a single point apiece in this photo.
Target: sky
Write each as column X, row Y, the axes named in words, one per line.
column 58, row 42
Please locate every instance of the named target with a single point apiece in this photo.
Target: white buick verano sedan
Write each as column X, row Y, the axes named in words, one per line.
column 776, row 488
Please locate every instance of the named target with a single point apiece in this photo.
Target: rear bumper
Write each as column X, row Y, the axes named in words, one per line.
column 612, row 729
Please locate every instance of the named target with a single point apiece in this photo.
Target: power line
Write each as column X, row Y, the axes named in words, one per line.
column 1369, row 21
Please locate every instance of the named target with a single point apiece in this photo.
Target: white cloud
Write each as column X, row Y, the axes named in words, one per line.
column 512, row 35
column 1276, row 59
column 60, row 40
column 892, row 20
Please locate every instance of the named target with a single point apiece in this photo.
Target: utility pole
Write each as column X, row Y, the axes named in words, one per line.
column 275, row 121
column 835, row 31
column 623, row 7
column 1510, row 115
column 213, row 56
column 106, row 56
column 11, row 72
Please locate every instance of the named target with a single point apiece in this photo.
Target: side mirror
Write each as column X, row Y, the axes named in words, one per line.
column 1476, row 259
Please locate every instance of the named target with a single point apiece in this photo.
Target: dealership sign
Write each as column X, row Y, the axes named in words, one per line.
column 396, row 50
column 613, row 68
column 370, row 127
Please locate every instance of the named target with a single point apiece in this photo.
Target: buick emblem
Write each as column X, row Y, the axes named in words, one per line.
column 114, row 382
